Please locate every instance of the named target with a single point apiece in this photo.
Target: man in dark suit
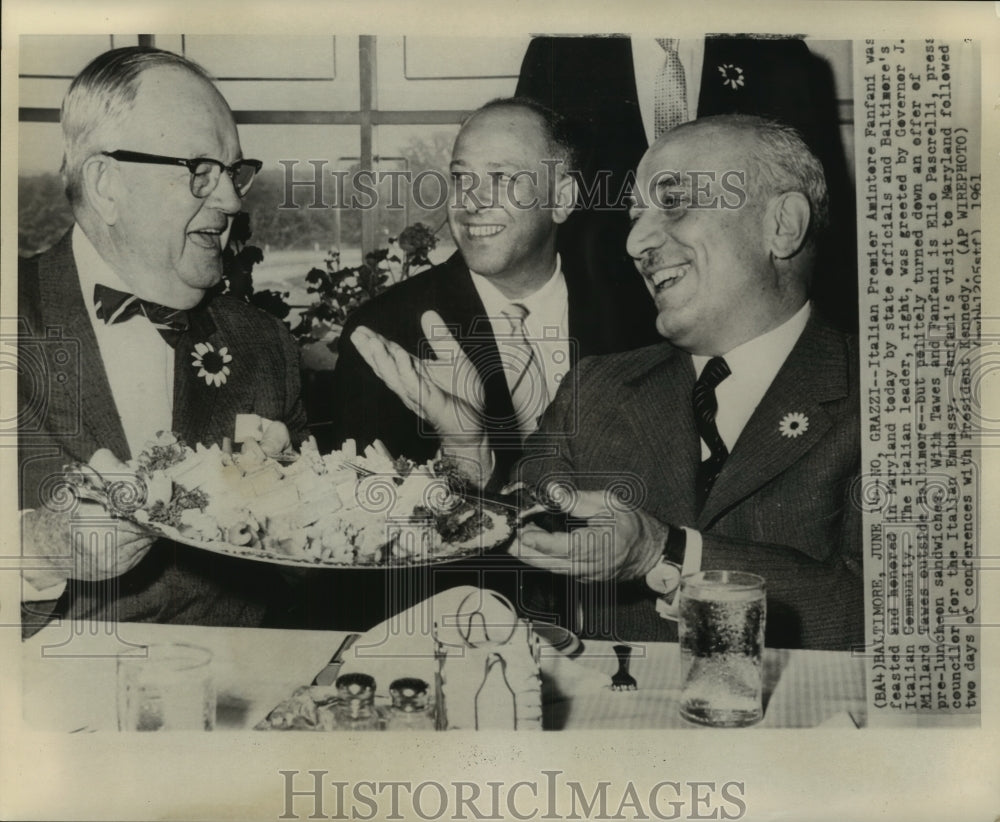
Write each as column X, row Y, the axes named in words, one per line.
column 118, row 340
column 511, row 194
column 741, row 440
column 594, row 80
column 737, row 445
column 520, row 262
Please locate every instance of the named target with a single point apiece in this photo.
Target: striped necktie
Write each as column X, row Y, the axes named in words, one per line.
column 706, row 405
column 115, row 306
column 670, row 107
column 523, row 368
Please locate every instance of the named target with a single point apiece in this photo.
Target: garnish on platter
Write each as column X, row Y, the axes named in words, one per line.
column 341, row 509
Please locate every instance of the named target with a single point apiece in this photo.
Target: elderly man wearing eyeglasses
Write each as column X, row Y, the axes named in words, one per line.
column 122, row 335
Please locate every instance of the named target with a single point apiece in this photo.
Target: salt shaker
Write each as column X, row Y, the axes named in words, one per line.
column 410, row 709
column 355, row 707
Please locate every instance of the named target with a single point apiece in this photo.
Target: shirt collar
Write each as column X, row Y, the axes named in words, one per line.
column 763, row 355
column 93, row 268
column 552, row 293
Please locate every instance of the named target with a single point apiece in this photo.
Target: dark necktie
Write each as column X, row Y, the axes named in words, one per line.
column 115, row 306
column 705, row 407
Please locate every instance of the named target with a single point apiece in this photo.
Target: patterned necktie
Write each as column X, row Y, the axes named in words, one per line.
column 669, row 90
column 115, row 306
column 523, row 369
column 705, row 407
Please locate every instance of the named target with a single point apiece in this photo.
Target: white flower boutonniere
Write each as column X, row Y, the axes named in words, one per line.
column 211, row 364
column 793, row 425
column 732, row 76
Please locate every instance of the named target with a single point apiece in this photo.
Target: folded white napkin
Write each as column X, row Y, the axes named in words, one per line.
column 403, row 646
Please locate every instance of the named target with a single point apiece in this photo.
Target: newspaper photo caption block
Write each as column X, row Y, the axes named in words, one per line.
column 919, row 209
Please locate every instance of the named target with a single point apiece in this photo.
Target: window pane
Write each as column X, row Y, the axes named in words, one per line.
column 49, row 62
column 281, row 73
column 441, row 58
column 422, row 72
column 296, row 239
column 424, row 152
column 39, row 147
column 43, row 213
column 242, row 57
column 60, row 56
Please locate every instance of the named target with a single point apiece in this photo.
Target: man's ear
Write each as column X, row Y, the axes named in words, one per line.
column 564, row 199
column 787, row 223
column 100, row 183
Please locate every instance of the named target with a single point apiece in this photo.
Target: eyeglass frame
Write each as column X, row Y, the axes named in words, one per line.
column 126, row 156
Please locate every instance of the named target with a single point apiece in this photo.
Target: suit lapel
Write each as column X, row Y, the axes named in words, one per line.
column 659, row 412
column 63, row 306
column 459, row 305
column 725, row 85
column 199, row 406
column 767, row 446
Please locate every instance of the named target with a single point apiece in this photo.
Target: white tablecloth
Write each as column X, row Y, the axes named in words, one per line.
column 69, row 679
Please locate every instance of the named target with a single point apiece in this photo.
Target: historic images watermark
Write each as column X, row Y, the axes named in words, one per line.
column 314, row 795
column 518, row 189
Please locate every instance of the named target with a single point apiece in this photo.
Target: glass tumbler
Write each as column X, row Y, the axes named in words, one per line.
column 166, row 688
column 721, row 621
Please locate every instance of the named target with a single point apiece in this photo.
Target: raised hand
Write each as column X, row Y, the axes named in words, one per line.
column 446, row 392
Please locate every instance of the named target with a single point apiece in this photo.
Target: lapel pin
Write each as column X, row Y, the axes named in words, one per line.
column 211, row 364
column 732, row 76
column 793, row 425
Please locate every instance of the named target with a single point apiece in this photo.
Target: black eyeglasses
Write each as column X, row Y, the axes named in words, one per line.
column 205, row 172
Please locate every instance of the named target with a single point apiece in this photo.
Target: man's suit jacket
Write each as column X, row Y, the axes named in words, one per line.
column 66, row 412
column 592, row 81
column 365, row 409
column 781, row 506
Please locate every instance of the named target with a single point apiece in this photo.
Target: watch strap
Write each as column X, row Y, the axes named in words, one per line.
column 675, row 545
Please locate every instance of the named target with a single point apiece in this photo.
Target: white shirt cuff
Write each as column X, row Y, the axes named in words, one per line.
column 666, row 602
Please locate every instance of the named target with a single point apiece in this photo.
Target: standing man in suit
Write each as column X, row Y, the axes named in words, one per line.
column 119, row 339
column 628, row 91
column 505, row 285
column 740, row 439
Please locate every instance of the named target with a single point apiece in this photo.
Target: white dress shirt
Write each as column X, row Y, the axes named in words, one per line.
column 753, row 367
column 546, row 326
column 138, row 361
column 647, row 60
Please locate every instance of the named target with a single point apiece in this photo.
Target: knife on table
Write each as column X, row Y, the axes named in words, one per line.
column 329, row 674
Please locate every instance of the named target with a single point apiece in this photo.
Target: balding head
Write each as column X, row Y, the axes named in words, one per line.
column 100, row 101
column 135, row 119
column 723, row 224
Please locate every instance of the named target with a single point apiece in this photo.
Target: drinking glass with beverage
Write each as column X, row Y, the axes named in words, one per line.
column 721, row 619
column 166, row 688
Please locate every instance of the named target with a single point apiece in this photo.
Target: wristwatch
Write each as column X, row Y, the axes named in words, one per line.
column 665, row 576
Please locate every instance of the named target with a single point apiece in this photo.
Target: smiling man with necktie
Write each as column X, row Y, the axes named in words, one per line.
column 122, row 335
column 739, row 437
column 743, row 433
column 519, row 317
